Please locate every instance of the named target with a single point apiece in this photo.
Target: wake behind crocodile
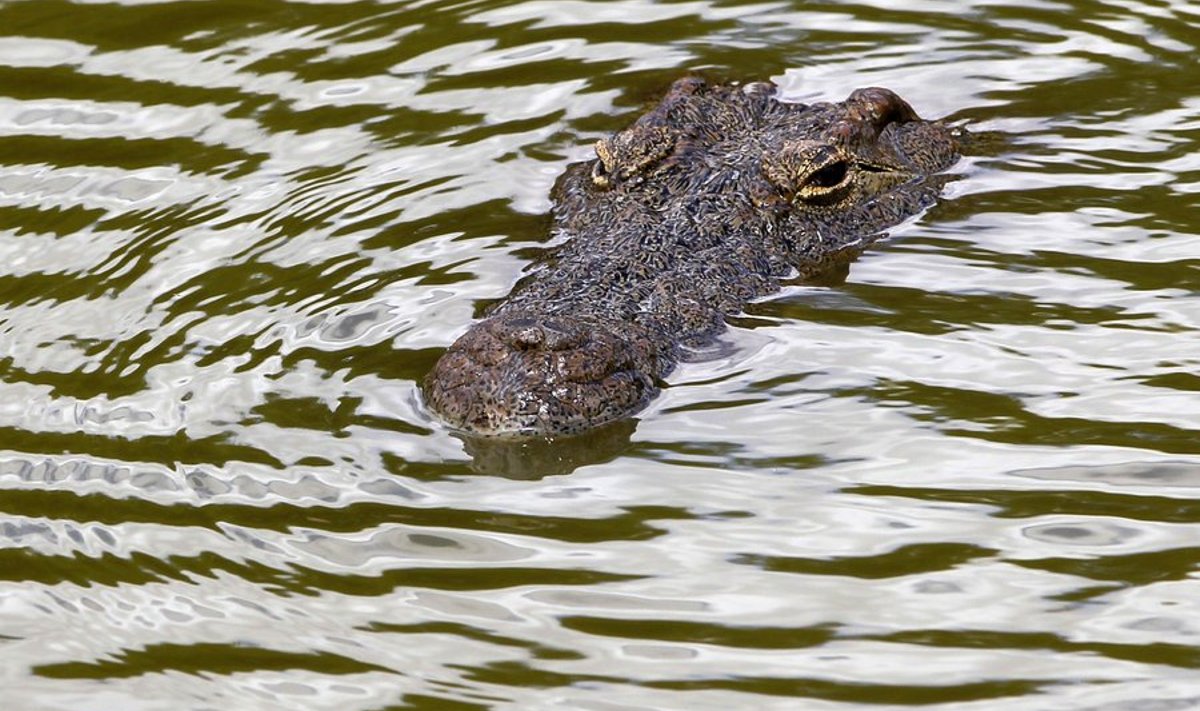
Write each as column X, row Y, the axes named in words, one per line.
column 709, row 200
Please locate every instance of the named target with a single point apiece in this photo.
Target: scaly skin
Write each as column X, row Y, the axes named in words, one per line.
column 706, row 202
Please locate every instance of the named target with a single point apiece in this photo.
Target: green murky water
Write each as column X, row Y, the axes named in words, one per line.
column 234, row 234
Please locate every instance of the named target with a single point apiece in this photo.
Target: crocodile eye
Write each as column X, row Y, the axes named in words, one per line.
column 829, row 176
column 632, row 155
column 600, row 175
column 809, row 171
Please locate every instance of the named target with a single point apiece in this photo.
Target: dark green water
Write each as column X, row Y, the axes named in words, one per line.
column 235, row 233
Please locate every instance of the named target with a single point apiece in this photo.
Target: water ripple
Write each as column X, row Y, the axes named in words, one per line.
column 235, row 236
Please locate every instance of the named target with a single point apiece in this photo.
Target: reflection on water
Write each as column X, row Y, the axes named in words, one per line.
column 234, row 236
column 530, row 458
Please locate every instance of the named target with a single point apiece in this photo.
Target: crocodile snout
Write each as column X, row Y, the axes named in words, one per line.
column 527, row 374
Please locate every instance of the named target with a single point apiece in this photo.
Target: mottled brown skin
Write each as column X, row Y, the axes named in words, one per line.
column 706, row 202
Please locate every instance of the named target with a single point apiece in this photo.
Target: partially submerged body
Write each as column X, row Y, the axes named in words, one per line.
column 706, row 202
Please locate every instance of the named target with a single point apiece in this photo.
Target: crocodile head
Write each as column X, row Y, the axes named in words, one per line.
column 703, row 204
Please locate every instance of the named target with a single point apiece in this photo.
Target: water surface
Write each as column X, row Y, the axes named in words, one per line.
column 234, row 235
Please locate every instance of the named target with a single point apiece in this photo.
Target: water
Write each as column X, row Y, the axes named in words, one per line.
column 233, row 235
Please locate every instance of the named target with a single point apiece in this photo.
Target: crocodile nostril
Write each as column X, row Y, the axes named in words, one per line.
column 528, row 333
column 528, row 337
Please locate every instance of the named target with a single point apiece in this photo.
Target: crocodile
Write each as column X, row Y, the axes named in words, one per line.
column 718, row 195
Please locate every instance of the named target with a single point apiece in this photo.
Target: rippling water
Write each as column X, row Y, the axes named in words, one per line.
column 233, row 235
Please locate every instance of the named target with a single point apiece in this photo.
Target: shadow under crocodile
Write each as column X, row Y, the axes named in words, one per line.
column 536, row 457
